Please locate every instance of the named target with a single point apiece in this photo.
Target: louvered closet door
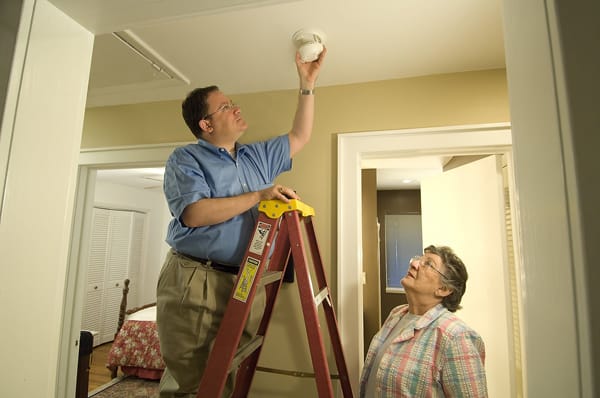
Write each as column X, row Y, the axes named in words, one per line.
column 116, row 250
column 117, row 264
column 92, row 319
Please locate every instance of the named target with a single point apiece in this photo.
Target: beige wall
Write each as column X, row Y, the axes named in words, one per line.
column 460, row 98
column 451, row 99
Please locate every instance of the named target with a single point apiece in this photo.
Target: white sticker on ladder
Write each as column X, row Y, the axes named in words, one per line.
column 261, row 233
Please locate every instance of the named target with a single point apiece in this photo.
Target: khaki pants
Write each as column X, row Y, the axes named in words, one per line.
column 191, row 302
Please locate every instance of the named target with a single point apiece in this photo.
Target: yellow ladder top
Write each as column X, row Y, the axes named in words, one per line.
column 275, row 208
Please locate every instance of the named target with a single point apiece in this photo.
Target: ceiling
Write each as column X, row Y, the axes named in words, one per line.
column 154, row 50
column 140, row 178
column 245, row 46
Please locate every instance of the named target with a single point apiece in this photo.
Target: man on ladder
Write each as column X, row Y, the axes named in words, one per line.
column 212, row 188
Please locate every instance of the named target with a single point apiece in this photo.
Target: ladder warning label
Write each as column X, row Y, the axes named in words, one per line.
column 261, row 233
column 246, row 280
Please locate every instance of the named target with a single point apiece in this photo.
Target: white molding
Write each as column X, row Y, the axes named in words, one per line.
column 123, row 156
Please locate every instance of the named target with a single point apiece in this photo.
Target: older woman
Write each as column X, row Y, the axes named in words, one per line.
column 423, row 348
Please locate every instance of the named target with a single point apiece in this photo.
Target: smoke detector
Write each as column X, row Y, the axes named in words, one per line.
column 309, row 43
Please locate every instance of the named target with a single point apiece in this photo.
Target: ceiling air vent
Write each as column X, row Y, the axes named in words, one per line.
column 122, row 58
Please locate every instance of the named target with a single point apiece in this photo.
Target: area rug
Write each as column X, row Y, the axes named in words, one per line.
column 127, row 387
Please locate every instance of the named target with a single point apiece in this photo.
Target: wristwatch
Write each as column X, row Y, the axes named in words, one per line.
column 306, row 92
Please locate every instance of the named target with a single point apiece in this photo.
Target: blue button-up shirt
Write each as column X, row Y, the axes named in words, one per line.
column 201, row 170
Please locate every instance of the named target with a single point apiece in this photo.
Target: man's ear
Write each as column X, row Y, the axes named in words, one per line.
column 204, row 125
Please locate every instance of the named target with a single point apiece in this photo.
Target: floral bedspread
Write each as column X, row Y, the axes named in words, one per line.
column 136, row 350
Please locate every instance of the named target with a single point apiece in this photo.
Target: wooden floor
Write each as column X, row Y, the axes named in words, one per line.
column 99, row 374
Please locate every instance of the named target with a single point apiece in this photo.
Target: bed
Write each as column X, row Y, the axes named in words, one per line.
column 136, row 349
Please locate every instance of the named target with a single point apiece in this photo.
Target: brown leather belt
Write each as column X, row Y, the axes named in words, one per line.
column 213, row 265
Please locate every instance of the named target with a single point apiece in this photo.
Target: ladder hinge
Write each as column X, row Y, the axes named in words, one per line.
column 275, row 208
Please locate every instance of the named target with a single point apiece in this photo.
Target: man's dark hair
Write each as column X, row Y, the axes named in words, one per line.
column 195, row 108
column 456, row 276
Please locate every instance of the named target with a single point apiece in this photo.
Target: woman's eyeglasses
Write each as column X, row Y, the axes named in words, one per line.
column 427, row 262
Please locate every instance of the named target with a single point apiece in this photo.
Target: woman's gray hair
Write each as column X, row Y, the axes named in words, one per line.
column 456, row 275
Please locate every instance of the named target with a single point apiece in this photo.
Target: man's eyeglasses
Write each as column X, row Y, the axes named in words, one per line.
column 222, row 108
column 426, row 262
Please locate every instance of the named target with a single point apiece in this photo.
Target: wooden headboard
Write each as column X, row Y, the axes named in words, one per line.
column 123, row 311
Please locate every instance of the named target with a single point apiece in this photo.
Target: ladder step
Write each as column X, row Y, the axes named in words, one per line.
column 270, row 277
column 321, row 296
column 245, row 351
column 293, row 373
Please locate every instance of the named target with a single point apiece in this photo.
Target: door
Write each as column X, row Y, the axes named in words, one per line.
column 464, row 208
column 96, row 270
column 116, row 246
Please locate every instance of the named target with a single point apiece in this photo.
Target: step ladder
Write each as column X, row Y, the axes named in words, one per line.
column 278, row 224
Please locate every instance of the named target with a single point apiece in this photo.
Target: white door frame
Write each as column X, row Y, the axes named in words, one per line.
column 353, row 149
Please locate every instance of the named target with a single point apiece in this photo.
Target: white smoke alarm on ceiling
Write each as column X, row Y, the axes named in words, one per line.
column 309, row 43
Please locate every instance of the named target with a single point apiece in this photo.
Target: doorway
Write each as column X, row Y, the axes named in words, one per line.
column 362, row 150
column 90, row 161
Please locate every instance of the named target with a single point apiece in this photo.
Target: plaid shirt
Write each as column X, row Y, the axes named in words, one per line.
column 440, row 357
